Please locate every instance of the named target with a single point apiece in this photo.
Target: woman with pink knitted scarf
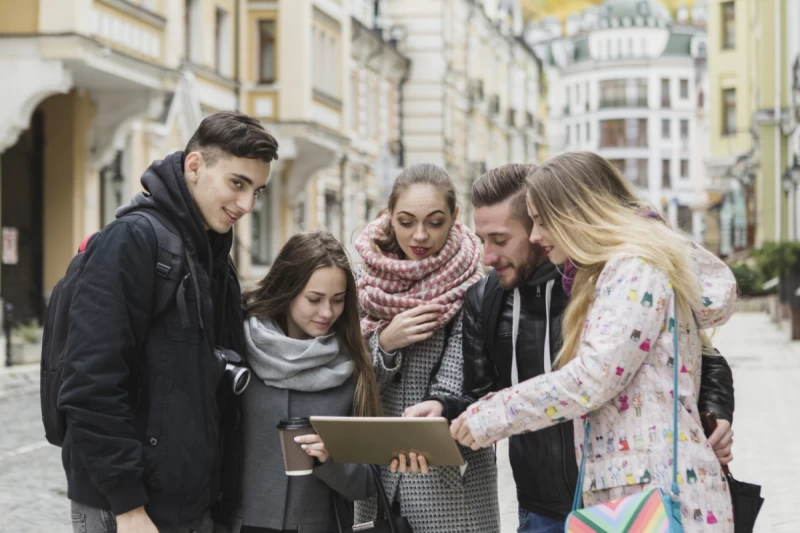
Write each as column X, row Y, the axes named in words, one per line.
column 418, row 262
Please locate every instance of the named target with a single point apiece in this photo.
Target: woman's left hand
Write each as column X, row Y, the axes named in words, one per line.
column 459, row 430
column 313, row 446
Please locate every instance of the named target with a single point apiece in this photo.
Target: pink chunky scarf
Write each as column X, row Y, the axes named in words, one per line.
column 389, row 286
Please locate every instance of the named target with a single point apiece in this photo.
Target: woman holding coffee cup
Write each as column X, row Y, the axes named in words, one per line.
column 308, row 357
column 418, row 264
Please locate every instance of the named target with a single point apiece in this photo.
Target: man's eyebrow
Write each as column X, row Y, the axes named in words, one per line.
column 248, row 181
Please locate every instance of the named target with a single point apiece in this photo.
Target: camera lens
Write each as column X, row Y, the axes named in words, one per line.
column 241, row 378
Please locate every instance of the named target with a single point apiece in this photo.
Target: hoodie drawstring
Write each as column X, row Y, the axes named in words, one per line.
column 548, row 364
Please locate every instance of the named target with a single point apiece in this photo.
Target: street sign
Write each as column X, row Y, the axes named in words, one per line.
column 10, row 241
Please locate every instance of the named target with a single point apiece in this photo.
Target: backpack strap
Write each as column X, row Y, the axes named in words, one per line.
column 491, row 307
column 169, row 261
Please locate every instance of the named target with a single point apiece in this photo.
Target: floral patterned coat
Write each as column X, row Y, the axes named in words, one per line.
column 622, row 379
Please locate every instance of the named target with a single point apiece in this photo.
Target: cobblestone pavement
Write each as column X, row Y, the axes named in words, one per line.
column 766, row 371
column 33, row 490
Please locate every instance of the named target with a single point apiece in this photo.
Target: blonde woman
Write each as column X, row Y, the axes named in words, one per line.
column 632, row 273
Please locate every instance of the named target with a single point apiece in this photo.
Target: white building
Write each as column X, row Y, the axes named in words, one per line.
column 472, row 98
column 628, row 82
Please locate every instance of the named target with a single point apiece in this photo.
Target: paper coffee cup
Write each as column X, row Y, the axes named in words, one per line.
column 295, row 459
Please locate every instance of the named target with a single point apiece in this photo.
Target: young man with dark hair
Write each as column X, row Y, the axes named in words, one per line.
column 143, row 389
column 543, row 462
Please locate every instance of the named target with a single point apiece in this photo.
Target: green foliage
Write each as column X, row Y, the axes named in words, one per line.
column 776, row 257
column 748, row 280
column 29, row 333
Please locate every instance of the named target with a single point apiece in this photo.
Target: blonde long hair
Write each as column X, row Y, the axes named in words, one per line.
column 593, row 214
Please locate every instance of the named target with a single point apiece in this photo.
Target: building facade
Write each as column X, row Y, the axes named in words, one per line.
column 94, row 91
column 753, row 50
column 472, row 100
column 628, row 82
column 353, row 90
column 326, row 81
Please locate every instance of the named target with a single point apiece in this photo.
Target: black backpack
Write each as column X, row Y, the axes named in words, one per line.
column 169, row 264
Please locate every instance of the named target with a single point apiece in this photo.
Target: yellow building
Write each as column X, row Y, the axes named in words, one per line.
column 94, row 90
column 327, row 84
column 98, row 89
column 749, row 91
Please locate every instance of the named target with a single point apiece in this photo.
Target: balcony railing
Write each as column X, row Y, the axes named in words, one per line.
column 608, row 103
column 623, row 142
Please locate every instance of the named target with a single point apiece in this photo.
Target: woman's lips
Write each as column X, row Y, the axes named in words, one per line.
column 547, row 249
column 419, row 251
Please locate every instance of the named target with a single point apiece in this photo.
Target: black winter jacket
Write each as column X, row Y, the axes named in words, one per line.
column 543, row 462
column 141, row 391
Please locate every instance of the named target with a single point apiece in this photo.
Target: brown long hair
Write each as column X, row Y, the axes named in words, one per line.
column 299, row 258
column 419, row 174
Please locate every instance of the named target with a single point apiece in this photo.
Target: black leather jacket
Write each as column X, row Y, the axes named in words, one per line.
column 543, row 462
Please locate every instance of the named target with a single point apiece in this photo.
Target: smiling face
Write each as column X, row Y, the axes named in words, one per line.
column 505, row 244
column 540, row 236
column 225, row 189
column 421, row 221
column 313, row 312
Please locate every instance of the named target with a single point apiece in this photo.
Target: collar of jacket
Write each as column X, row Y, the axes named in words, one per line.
column 545, row 273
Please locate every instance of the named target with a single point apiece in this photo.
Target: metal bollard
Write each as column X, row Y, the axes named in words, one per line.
column 8, row 322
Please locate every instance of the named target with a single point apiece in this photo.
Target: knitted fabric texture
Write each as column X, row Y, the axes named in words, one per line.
column 390, row 286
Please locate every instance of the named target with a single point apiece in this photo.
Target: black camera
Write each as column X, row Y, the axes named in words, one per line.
column 234, row 371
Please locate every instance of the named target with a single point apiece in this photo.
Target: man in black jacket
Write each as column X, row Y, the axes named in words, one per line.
column 543, row 462
column 142, row 392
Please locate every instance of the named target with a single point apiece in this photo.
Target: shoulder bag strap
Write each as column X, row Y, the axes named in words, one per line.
column 675, row 371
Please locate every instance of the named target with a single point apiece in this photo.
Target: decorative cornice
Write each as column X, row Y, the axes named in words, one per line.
column 204, row 72
column 141, row 13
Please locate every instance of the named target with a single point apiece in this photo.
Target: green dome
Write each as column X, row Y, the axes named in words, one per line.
column 618, row 10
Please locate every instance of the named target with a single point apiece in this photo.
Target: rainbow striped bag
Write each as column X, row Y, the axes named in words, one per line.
column 652, row 511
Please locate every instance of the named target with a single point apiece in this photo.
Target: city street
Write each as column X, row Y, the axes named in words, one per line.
column 33, row 490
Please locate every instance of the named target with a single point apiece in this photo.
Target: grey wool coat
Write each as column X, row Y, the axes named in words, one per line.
column 444, row 500
column 270, row 498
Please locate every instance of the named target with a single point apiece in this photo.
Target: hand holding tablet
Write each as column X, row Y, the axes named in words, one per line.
column 380, row 440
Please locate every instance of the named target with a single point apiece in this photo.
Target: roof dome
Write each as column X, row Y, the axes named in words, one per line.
column 620, row 13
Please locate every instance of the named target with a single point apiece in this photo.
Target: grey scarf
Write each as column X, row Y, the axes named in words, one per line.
column 306, row 365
